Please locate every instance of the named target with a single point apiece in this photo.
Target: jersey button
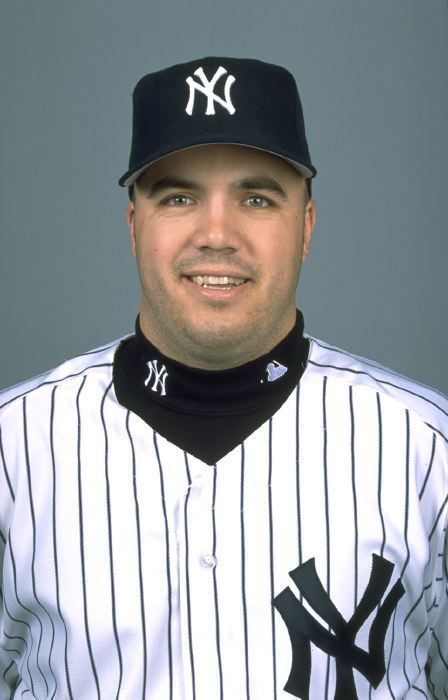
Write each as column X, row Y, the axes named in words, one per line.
column 208, row 561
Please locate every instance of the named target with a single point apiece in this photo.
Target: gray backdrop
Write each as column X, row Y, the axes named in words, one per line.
column 373, row 79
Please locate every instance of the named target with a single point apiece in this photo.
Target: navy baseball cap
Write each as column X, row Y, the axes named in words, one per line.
column 215, row 100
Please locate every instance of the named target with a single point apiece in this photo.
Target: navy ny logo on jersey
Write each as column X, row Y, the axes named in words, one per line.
column 303, row 629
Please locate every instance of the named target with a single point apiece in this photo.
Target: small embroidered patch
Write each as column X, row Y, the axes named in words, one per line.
column 275, row 370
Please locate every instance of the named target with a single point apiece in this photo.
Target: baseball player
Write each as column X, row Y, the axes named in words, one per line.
column 218, row 506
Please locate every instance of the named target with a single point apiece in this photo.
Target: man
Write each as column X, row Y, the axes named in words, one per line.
column 219, row 506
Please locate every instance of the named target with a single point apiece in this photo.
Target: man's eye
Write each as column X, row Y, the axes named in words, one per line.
column 179, row 200
column 257, row 201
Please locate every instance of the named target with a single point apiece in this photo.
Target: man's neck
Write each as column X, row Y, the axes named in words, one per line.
column 207, row 413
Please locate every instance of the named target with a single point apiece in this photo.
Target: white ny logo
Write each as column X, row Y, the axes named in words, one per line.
column 207, row 88
column 158, row 375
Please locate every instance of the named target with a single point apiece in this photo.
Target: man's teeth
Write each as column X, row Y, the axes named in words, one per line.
column 215, row 281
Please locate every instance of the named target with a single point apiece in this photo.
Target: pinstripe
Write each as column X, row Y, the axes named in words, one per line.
column 15, row 651
column 438, row 432
column 371, row 363
column 17, row 638
column 355, row 504
column 428, row 471
column 139, row 555
column 327, row 509
column 55, row 553
column 414, row 687
column 379, row 484
column 383, row 382
column 406, row 507
column 433, row 605
column 405, row 534
column 81, row 541
column 380, row 471
column 420, row 636
column 8, row 481
column 430, row 683
column 271, row 560
column 394, row 386
column 110, row 541
column 243, row 573
column 31, row 613
column 444, row 661
column 11, row 651
column 58, row 380
column 20, row 622
column 215, row 588
column 299, row 510
column 405, row 621
column 439, row 515
column 168, row 569
column 33, row 560
column 445, row 555
column 404, row 657
column 8, row 668
column 187, row 580
column 325, row 475
column 390, row 655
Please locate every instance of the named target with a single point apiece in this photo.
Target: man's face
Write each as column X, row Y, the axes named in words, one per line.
column 219, row 233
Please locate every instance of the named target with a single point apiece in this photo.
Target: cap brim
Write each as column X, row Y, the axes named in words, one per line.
column 130, row 177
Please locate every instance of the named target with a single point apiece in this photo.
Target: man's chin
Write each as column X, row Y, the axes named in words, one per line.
column 219, row 345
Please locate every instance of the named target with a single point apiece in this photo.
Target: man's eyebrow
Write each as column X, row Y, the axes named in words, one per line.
column 251, row 182
column 173, row 182
column 261, row 182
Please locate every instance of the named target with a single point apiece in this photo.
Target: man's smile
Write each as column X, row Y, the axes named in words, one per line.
column 217, row 281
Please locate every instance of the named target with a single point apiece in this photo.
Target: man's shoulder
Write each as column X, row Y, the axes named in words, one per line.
column 348, row 369
column 97, row 361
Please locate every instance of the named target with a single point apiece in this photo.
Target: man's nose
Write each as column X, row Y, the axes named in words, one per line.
column 217, row 227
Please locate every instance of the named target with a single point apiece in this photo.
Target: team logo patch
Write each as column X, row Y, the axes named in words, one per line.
column 207, row 87
column 157, row 377
column 303, row 629
column 275, row 370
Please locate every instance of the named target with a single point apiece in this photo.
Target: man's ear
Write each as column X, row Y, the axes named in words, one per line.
column 130, row 218
column 308, row 228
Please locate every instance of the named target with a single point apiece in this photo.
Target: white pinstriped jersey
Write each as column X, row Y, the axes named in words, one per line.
column 133, row 570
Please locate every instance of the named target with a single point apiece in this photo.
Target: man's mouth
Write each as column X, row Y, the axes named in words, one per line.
column 217, row 282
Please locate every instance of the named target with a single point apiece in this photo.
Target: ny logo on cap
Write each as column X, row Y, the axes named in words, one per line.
column 207, row 88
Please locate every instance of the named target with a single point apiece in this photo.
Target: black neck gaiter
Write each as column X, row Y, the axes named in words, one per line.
column 207, row 413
